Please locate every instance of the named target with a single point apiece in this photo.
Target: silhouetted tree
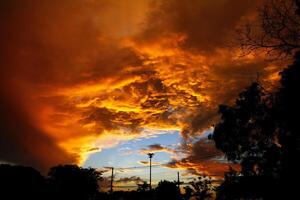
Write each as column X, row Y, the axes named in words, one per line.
column 229, row 189
column 286, row 110
column 246, row 132
column 261, row 132
column 143, row 187
column 239, row 186
column 188, row 191
column 73, row 182
column 202, row 188
column 18, row 182
column 276, row 30
column 167, row 190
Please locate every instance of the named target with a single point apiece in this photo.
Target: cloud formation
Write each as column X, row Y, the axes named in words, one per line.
column 45, row 46
column 204, row 25
column 132, row 179
column 153, row 148
column 22, row 142
column 73, row 81
column 202, row 158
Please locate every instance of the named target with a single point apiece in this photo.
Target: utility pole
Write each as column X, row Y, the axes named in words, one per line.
column 150, row 156
column 111, row 180
column 178, row 180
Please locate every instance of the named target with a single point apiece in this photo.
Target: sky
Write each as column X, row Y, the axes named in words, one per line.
column 100, row 83
column 130, row 160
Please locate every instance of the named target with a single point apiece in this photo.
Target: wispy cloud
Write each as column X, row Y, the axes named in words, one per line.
column 153, row 148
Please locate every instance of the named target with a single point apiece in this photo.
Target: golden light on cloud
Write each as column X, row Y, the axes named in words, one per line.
column 94, row 74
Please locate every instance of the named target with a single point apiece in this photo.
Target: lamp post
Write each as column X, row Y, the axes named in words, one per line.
column 150, row 157
column 111, row 180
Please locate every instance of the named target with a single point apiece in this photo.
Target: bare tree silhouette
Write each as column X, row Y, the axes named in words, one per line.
column 275, row 31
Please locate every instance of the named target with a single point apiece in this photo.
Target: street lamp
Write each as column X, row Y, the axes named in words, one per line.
column 150, row 157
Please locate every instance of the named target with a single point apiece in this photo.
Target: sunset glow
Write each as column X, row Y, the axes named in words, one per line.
column 91, row 81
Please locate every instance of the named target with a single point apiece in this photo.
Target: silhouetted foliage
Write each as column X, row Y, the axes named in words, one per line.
column 143, row 187
column 188, row 192
column 261, row 132
column 18, row 182
column 128, row 195
column 286, row 112
column 238, row 186
column 202, row 188
column 73, row 182
column 247, row 135
column 167, row 190
column 246, row 131
column 276, row 30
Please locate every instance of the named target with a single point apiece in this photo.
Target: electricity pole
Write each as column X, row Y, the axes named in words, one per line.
column 112, row 180
column 178, row 180
column 150, row 156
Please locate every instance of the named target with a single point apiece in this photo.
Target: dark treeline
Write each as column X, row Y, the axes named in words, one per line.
column 62, row 182
column 76, row 183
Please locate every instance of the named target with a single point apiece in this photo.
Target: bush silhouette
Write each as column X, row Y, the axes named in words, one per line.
column 18, row 182
column 167, row 190
column 73, row 182
column 202, row 188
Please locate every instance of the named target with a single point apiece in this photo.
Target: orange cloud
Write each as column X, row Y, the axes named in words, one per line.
column 203, row 158
column 75, row 81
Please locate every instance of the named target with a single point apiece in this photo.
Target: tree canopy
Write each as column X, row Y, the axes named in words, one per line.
column 261, row 132
column 73, row 182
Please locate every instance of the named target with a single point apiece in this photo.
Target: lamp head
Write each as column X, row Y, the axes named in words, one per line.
column 150, row 155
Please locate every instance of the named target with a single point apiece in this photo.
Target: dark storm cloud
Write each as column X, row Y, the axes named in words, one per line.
column 45, row 45
column 206, row 24
column 59, row 42
column 21, row 142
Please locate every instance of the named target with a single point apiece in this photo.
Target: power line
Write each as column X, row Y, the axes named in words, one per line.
column 158, row 165
column 165, row 164
column 133, row 167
